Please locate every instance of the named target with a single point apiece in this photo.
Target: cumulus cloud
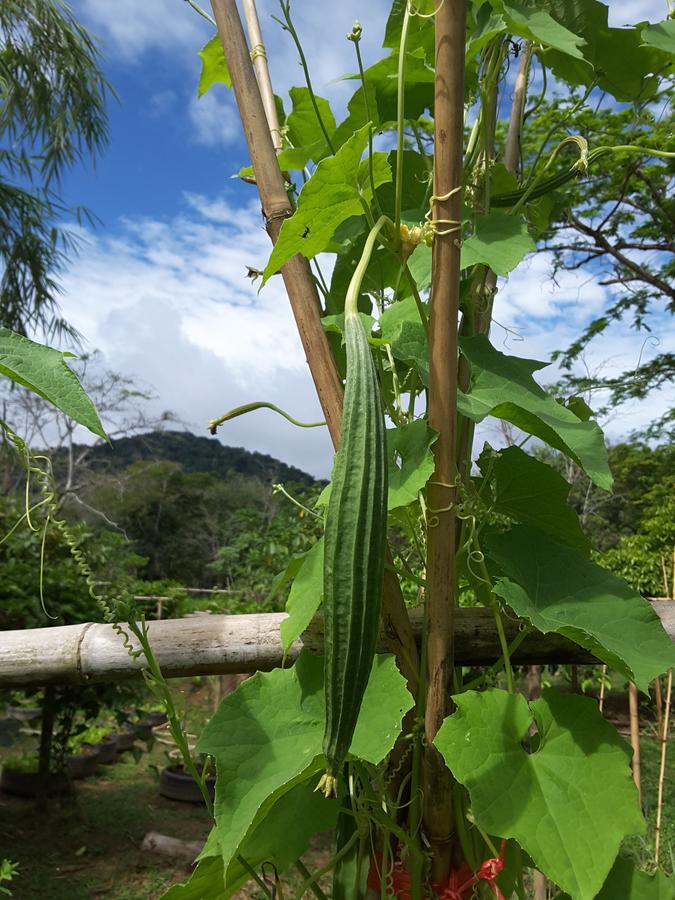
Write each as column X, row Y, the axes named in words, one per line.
column 169, row 302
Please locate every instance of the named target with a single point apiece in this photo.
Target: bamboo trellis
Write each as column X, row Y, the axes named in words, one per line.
column 218, row 644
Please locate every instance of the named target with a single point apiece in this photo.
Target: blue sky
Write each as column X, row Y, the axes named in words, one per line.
column 159, row 287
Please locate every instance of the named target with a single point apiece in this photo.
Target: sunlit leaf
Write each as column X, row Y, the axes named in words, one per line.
column 214, row 66
column 330, row 197
column 537, row 25
column 267, row 737
column 45, row 372
column 661, row 35
column 305, row 596
column 569, row 802
column 557, row 589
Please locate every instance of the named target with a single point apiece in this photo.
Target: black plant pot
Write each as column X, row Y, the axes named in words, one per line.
column 125, row 740
column 26, row 784
column 176, row 784
column 153, row 719
column 107, row 750
column 83, row 765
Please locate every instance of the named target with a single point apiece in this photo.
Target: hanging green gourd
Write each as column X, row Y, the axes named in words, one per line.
column 355, row 537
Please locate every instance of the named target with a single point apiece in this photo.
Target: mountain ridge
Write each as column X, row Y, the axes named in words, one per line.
column 195, row 454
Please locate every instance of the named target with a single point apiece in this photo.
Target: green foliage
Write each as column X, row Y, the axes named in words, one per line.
column 568, row 798
column 45, row 372
column 499, row 241
column 557, row 589
column 330, row 197
column 305, row 595
column 214, row 66
column 52, row 116
column 531, row 493
column 267, row 738
column 502, row 386
column 66, row 593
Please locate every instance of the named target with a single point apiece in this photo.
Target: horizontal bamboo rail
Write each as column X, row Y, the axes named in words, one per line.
column 215, row 644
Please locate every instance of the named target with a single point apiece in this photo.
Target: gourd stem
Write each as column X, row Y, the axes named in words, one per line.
column 354, row 289
column 400, row 117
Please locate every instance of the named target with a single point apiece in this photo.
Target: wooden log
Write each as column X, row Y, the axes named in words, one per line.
column 172, row 848
column 234, row 644
column 213, row 645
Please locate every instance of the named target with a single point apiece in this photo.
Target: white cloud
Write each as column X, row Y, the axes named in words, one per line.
column 129, row 28
column 169, row 303
column 215, row 118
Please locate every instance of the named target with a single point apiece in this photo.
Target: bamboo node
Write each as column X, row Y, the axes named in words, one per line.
column 258, row 52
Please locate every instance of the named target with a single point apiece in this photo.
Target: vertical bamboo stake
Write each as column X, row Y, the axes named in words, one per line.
column 440, row 601
column 601, row 698
column 301, row 290
column 259, row 60
column 658, row 697
column 276, row 207
column 635, row 737
column 662, row 768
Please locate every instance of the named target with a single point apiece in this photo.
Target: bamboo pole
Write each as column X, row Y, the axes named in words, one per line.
column 276, row 207
column 301, row 291
column 450, row 22
column 635, row 737
column 259, row 60
column 218, row 644
column 662, row 768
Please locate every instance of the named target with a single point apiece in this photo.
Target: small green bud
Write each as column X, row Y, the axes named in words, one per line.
column 356, row 32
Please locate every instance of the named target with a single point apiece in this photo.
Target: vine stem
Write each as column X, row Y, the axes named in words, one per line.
column 355, row 36
column 288, row 25
column 400, row 117
column 662, row 767
column 441, row 488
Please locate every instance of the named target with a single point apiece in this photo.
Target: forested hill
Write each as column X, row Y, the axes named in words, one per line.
column 195, row 454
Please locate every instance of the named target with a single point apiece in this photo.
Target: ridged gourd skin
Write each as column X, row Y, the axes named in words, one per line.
column 355, row 540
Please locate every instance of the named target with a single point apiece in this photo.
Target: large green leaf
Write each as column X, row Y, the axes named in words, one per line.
column 207, row 882
column 531, row 492
column 305, row 596
column 267, row 737
column 622, row 66
column 214, row 66
column 499, row 241
column 629, row 883
column 401, row 326
column 538, row 26
column 330, row 197
column 280, row 838
column 569, row 803
column 661, row 35
column 626, row 882
column 411, row 462
column 503, row 386
column 304, row 131
column 557, row 589
column 45, row 372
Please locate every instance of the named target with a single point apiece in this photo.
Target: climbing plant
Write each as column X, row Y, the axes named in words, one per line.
column 394, row 227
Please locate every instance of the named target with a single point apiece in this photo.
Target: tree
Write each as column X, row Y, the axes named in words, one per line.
column 618, row 222
column 52, row 116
